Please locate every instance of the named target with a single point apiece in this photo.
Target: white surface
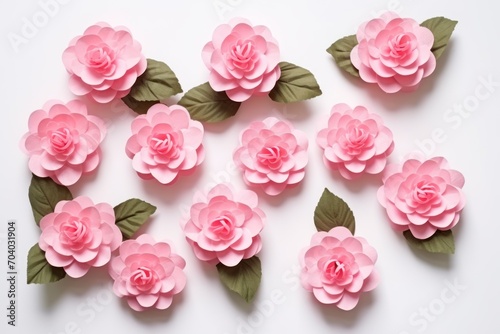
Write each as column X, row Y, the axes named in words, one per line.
column 175, row 32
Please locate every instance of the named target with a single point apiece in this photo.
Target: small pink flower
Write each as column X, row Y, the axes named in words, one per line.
column 63, row 141
column 242, row 59
column 79, row 235
column 272, row 155
column 147, row 273
column 103, row 63
column 393, row 52
column 225, row 228
column 422, row 196
column 355, row 141
column 337, row 267
column 164, row 143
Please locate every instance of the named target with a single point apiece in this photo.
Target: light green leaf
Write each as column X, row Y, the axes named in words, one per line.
column 295, row 84
column 39, row 270
column 331, row 212
column 441, row 28
column 244, row 278
column 341, row 52
column 140, row 107
column 131, row 215
column 441, row 242
column 44, row 194
column 158, row 82
column 206, row 105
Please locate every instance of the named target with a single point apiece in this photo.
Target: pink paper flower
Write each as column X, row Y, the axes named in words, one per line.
column 164, row 143
column 147, row 273
column 393, row 52
column 242, row 59
column 103, row 63
column 355, row 141
column 272, row 155
column 225, row 228
column 79, row 235
column 63, row 141
column 422, row 196
column 337, row 267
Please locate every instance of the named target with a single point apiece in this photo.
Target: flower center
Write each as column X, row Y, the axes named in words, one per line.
column 399, row 45
column 424, row 192
column 143, row 278
column 61, row 140
column 335, row 270
column 356, row 139
column 164, row 144
column 74, row 233
column 222, row 227
column 272, row 157
column 241, row 55
column 100, row 58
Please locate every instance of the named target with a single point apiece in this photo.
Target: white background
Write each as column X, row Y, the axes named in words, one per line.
column 175, row 32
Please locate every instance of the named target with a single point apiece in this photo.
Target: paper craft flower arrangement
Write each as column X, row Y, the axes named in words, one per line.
column 423, row 198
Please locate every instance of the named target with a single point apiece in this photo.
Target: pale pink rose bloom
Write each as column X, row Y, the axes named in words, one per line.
column 272, row 155
column 355, row 141
column 103, row 63
column 393, row 52
column 63, row 141
column 147, row 273
column 79, row 235
column 337, row 267
column 226, row 226
column 165, row 142
column 422, row 196
column 242, row 59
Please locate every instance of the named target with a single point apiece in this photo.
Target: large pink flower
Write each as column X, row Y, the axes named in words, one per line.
column 103, row 63
column 164, row 143
column 393, row 52
column 225, row 228
column 355, row 141
column 337, row 267
column 147, row 273
column 272, row 155
column 79, row 235
column 242, row 59
column 63, row 141
column 422, row 196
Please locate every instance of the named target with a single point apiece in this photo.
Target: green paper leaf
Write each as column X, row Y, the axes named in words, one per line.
column 158, row 82
column 295, row 84
column 440, row 242
column 206, row 105
column 331, row 212
column 131, row 215
column 44, row 194
column 244, row 278
column 140, row 107
column 441, row 28
column 341, row 52
column 39, row 270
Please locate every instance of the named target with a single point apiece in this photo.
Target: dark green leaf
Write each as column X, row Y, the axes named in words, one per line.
column 140, row 107
column 206, row 105
column 441, row 28
column 39, row 270
column 331, row 212
column 440, row 242
column 341, row 52
column 44, row 194
column 158, row 82
column 295, row 84
column 131, row 215
column 244, row 278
